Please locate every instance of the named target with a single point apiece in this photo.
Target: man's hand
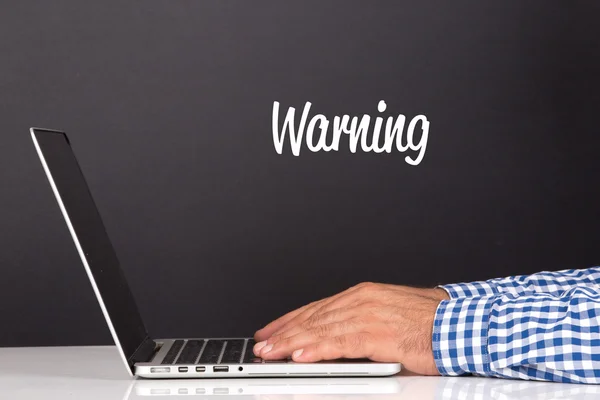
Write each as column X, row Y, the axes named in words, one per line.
column 385, row 323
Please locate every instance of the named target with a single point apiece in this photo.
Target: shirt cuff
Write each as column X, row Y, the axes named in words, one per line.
column 460, row 336
column 472, row 289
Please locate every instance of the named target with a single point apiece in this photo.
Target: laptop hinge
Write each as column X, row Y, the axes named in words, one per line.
column 144, row 352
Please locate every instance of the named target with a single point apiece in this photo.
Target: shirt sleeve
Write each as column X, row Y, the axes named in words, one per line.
column 538, row 336
column 554, row 283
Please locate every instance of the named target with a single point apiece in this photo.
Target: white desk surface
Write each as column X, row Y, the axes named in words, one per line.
column 98, row 373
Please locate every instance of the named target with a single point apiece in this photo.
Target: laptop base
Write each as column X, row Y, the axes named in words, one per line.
column 210, row 358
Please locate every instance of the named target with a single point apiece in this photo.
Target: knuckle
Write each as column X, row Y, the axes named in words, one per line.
column 314, row 320
column 357, row 342
column 274, row 339
column 321, row 330
column 278, row 333
column 308, row 324
column 340, row 341
column 370, row 306
column 350, row 324
column 367, row 286
column 326, row 316
column 284, row 342
column 370, row 316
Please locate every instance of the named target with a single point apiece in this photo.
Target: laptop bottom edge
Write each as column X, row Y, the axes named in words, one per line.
column 233, row 358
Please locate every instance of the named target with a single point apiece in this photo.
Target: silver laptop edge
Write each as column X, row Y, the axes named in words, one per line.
column 153, row 367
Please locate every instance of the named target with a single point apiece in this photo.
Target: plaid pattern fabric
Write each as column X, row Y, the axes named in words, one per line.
column 523, row 332
column 460, row 333
column 543, row 282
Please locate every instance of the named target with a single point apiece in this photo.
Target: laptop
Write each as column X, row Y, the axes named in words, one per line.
column 142, row 354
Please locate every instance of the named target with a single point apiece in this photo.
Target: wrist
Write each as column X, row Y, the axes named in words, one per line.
column 439, row 294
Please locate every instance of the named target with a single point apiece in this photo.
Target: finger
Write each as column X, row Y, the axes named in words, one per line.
column 307, row 313
column 298, row 318
column 285, row 347
column 267, row 332
column 271, row 327
column 352, row 345
column 328, row 304
column 329, row 317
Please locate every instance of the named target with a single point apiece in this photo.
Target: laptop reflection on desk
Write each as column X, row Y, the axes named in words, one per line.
column 270, row 386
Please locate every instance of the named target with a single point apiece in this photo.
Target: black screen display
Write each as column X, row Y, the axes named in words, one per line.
column 93, row 239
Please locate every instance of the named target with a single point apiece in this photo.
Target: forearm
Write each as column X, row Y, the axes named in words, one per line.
column 537, row 336
column 554, row 283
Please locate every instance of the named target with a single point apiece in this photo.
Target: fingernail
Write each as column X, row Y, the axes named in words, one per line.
column 266, row 349
column 258, row 346
column 297, row 353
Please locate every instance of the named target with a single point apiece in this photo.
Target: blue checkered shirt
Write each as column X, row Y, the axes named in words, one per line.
column 544, row 326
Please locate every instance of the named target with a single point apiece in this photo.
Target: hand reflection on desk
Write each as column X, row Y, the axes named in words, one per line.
column 397, row 387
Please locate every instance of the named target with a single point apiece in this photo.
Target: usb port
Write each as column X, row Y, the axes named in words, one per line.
column 200, row 369
column 183, row 369
column 221, row 368
column 160, row 370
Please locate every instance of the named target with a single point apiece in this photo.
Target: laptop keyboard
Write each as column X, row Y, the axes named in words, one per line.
column 190, row 352
column 211, row 351
column 173, row 352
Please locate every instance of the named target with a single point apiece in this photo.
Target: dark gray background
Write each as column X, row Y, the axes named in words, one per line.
column 168, row 105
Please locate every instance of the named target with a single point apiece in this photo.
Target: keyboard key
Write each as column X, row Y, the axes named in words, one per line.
column 211, row 352
column 249, row 356
column 172, row 353
column 233, row 352
column 190, row 352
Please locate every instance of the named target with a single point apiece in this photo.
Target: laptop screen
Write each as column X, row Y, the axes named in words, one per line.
column 91, row 240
